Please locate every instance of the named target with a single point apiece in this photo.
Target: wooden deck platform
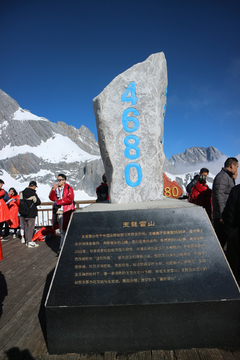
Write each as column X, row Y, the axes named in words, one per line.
column 25, row 276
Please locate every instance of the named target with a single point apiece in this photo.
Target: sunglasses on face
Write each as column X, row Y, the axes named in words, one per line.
column 58, row 180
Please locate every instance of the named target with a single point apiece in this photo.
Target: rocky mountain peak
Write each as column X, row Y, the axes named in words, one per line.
column 83, row 137
column 195, row 155
column 7, row 106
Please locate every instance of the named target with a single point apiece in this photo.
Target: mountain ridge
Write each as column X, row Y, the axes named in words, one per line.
column 196, row 155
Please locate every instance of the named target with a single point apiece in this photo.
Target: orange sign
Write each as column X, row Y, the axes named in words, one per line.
column 171, row 188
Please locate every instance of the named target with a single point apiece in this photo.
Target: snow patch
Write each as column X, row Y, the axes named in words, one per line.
column 3, row 126
column 23, row 115
column 56, row 149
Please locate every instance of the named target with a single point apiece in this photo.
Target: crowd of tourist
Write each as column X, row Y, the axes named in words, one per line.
column 19, row 211
column 222, row 204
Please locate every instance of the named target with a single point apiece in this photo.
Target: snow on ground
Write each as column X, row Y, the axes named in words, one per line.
column 56, row 149
column 42, row 173
column 22, row 115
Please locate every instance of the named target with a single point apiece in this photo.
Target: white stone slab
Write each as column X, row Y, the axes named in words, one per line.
column 132, row 151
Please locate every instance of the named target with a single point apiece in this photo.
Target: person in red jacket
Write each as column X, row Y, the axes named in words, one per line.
column 202, row 195
column 63, row 196
column 4, row 211
column 13, row 205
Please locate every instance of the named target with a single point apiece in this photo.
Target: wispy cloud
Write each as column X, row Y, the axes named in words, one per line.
column 198, row 98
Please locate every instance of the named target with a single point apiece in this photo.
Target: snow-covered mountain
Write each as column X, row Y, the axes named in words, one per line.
column 34, row 148
column 183, row 167
column 192, row 156
column 196, row 155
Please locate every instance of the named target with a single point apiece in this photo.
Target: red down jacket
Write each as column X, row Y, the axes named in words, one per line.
column 13, row 208
column 66, row 202
column 202, row 195
column 4, row 211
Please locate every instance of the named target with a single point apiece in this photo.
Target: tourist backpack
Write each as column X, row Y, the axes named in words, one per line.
column 24, row 208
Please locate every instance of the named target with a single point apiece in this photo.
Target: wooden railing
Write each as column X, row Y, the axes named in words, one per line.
column 44, row 217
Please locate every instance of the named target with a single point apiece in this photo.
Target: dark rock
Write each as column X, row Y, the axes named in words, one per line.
column 195, row 155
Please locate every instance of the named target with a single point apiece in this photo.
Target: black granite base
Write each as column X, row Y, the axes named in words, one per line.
column 142, row 280
column 141, row 328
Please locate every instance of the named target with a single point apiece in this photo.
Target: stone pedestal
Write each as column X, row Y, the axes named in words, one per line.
column 142, row 276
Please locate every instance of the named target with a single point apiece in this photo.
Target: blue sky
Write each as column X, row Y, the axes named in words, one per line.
column 56, row 56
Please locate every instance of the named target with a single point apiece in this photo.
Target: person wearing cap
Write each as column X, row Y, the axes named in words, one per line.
column 4, row 211
column 29, row 221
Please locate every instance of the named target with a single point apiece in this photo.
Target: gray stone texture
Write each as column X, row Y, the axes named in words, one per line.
column 150, row 79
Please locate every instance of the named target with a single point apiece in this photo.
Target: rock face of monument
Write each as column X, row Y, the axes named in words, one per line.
column 129, row 114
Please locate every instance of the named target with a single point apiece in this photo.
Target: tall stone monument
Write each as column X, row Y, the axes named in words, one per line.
column 129, row 114
column 141, row 272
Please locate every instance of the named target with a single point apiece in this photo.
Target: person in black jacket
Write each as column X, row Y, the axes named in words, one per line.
column 231, row 212
column 29, row 221
column 222, row 185
column 102, row 190
column 231, row 219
